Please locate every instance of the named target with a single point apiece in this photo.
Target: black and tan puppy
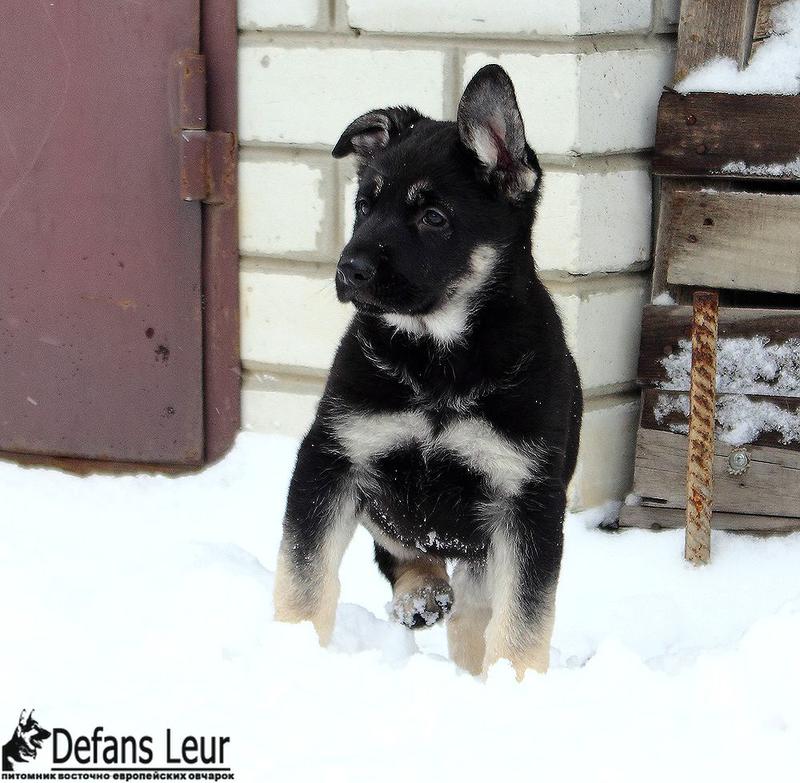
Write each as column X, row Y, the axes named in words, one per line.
column 450, row 422
column 25, row 742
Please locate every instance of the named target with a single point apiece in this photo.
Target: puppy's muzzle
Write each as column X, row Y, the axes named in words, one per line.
column 353, row 274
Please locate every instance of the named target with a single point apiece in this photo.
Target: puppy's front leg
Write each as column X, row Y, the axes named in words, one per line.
column 319, row 523
column 421, row 590
column 522, row 571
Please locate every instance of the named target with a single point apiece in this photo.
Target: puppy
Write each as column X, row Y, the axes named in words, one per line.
column 450, row 422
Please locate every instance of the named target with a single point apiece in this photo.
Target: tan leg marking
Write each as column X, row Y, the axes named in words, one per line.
column 510, row 634
column 422, row 591
column 467, row 623
column 300, row 597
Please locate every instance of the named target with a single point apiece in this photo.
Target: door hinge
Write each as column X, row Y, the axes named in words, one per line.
column 207, row 157
column 208, row 166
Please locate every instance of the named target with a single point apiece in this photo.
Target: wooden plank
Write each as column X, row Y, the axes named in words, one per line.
column 713, row 28
column 663, row 327
column 657, row 518
column 734, row 239
column 666, row 228
column 763, row 23
column 770, row 486
column 665, row 411
column 735, row 136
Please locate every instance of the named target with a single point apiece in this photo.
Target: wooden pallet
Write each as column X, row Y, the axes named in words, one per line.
column 728, row 219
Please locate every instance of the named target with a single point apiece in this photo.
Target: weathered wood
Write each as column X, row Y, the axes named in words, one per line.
column 665, row 229
column 668, row 417
column 657, row 518
column 663, row 327
column 763, row 23
column 736, row 136
column 712, row 28
column 734, row 239
column 672, row 194
column 770, row 486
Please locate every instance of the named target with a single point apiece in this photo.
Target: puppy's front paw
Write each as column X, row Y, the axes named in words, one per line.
column 423, row 606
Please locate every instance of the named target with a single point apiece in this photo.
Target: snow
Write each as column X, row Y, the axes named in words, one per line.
column 745, row 365
column 144, row 602
column 774, row 67
column 664, row 299
column 790, row 168
column 739, row 420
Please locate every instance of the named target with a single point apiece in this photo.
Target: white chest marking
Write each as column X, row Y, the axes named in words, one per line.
column 505, row 464
column 368, row 436
column 448, row 322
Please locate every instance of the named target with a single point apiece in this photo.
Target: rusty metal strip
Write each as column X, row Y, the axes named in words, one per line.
column 208, row 166
column 192, row 91
column 702, row 396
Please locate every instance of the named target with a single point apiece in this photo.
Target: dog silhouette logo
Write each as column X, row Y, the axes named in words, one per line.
column 24, row 743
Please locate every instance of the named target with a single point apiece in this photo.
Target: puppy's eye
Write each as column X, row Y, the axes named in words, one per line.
column 434, row 218
column 362, row 206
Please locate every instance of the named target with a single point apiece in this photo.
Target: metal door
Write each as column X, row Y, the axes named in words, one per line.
column 101, row 260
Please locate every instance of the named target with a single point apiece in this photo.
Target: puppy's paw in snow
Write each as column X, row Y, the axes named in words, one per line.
column 424, row 606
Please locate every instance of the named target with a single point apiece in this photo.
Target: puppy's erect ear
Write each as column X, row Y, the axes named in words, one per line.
column 374, row 131
column 490, row 125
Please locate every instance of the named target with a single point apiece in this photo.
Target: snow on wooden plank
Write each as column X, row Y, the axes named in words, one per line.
column 731, row 136
column 758, row 350
column 769, row 486
column 735, row 239
column 763, row 23
column 741, row 420
column 712, row 28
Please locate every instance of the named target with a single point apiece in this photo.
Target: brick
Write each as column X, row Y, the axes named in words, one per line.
column 278, row 405
column 603, row 330
column 605, row 462
column 308, row 95
column 291, row 318
column 619, row 94
column 283, row 206
column 670, row 10
column 500, row 17
column 585, row 103
column 593, row 222
column 265, row 14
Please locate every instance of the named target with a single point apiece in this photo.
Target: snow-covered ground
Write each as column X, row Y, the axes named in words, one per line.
column 140, row 603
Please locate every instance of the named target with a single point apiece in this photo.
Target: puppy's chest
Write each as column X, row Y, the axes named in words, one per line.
column 429, row 448
column 426, row 480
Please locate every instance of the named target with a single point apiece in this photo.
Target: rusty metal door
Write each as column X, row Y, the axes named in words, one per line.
column 101, row 258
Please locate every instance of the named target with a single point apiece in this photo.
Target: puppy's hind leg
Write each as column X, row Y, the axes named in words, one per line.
column 421, row 590
column 319, row 523
column 466, row 625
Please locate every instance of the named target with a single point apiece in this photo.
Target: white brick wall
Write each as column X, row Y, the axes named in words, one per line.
column 308, row 94
column 263, row 14
column 308, row 67
column 500, row 17
column 285, row 209
column 585, row 103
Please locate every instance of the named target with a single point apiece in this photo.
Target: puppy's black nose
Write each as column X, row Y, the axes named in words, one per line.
column 356, row 271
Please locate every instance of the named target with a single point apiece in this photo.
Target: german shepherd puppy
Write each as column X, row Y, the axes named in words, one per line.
column 449, row 425
column 24, row 743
